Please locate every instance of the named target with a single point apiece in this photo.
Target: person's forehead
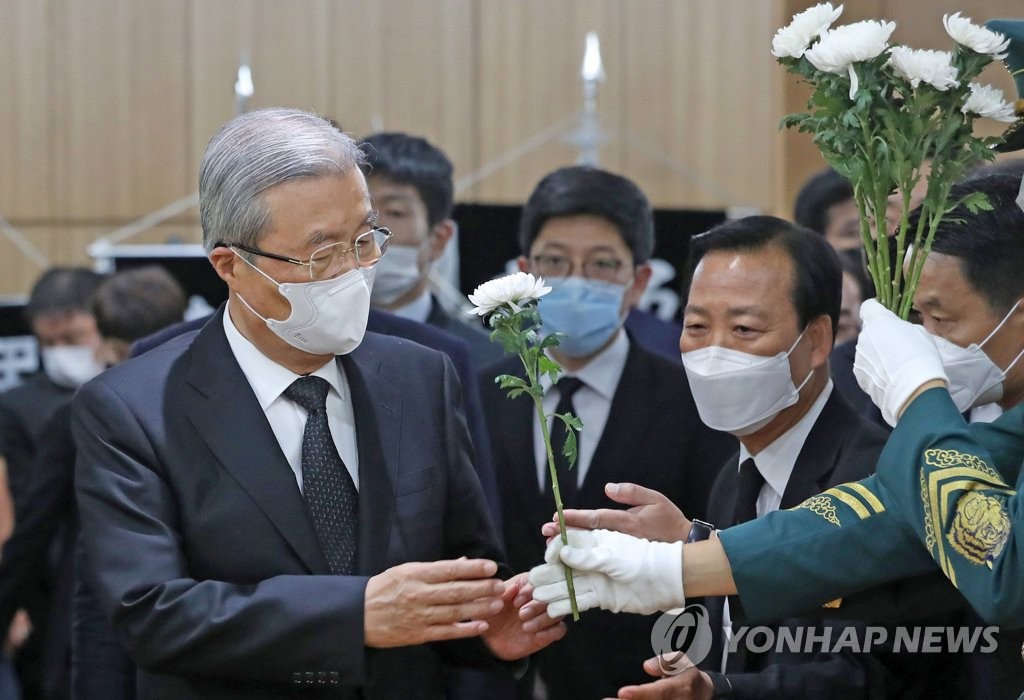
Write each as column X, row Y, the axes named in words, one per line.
column 580, row 231
column 943, row 284
column 751, row 279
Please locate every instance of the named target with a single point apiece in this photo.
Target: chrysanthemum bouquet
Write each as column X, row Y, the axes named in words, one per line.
column 880, row 112
column 509, row 305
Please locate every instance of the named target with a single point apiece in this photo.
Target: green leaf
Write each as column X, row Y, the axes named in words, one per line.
column 976, row 202
column 569, row 449
column 549, row 367
column 571, row 421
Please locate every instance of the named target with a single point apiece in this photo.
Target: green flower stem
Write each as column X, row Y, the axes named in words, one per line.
column 530, row 358
column 558, row 503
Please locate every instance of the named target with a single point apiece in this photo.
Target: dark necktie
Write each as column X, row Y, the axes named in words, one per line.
column 330, row 494
column 747, row 490
column 567, row 478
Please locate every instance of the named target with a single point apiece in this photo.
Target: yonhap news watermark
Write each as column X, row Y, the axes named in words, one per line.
column 683, row 638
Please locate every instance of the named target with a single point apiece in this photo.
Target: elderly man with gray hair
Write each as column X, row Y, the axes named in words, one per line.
column 281, row 504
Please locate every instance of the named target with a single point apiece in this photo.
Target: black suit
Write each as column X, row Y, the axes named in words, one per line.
column 199, row 541
column 469, row 330
column 653, row 437
column 840, row 447
column 26, row 411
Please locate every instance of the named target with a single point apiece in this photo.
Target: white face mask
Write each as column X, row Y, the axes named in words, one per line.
column 328, row 316
column 396, row 274
column 71, row 366
column 974, row 379
column 737, row 392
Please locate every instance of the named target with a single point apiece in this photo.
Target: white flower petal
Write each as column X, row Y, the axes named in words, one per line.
column 977, row 38
column 792, row 40
column 987, row 101
column 839, row 47
column 511, row 291
column 933, row 67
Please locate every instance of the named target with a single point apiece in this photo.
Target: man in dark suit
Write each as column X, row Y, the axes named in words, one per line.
column 589, row 233
column 278, row 505
column 65, row 329
column 410, row 182
column 390, row 324
column 761, row 286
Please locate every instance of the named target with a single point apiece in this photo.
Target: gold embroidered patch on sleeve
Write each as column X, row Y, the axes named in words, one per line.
column 822, row 505
column 944, row 459
column 833, row 604
column 980, row 527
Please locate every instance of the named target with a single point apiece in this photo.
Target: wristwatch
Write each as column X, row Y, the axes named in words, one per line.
column 699, row 531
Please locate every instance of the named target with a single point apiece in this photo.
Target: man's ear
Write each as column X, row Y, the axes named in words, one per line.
column 819, row 332
column 440, row 234
column 224, row 261
column 636, row 289
column 524, row 264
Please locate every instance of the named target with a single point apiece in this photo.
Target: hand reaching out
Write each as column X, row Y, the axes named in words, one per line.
column 653, row 516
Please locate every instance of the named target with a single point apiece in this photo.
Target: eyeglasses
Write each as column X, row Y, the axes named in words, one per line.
column 332, row 260
column 601, row 269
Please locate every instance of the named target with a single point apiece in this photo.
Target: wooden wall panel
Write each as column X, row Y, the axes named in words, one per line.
column 121, row 91
column 286, row 44
column 530, row 57
column 108, row 104
column 26, row 119
column 701, row 103
column 406, row 66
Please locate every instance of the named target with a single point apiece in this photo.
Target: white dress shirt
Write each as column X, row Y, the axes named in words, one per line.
column 287, row 419
column 776, row 462
column 592, row 403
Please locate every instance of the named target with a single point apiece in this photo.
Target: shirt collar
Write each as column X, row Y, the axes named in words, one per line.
column 776, row 461
column 267, row 378
column 604, row 370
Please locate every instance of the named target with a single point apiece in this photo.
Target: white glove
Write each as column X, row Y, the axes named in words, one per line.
column 612, row 571
column 894, row 358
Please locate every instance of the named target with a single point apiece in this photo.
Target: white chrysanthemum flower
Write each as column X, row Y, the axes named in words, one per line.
column 513, row 290
column 987, row 101
column 843, row 46
column 974, row 37
column 792, row 40
column 922, row 66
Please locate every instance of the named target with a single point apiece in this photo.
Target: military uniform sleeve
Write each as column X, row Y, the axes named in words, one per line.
column 940, row 480
column 841, row 541
column 1003, row 438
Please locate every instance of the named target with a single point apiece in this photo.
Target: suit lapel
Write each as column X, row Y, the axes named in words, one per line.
column 817, row 458
column 614, row 448
column 517, row 423
column 377, row 405
column 250, row 452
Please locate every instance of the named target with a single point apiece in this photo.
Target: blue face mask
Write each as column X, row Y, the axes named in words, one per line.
column 586, row 311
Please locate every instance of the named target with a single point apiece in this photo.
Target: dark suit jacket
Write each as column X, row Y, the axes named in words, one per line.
column 651, row 333
column 198, row 538
column 653, row 437
column 481, row 349
column 841, row 447
column 458, row 352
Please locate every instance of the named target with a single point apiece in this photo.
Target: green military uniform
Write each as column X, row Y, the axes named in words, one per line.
column 940, row 499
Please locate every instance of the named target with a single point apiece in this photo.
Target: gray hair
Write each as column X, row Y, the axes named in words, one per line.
column 256, row 151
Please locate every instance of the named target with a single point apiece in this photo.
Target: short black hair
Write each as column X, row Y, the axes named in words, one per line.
column 411, row 160
column 989, row 244
column 62, row 290
column 821, row 192
column 138, row 302
column 817, row 275
column 581, row 189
